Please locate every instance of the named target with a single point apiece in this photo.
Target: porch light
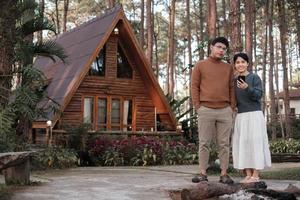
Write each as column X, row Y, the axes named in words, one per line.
column 49, row 123
column 116, row 31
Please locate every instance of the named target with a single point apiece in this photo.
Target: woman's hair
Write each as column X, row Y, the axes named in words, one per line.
column 242, row 55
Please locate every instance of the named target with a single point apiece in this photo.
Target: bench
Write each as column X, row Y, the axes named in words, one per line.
column 16, row 167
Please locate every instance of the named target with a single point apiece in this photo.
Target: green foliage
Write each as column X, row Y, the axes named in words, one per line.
column 7, row 136
column 285, row 146
column 141, row 151
column 54, row 157
column 5, row 194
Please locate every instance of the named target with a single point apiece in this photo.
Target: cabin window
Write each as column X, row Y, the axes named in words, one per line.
column 88, row 110
column 127, row 115
column 98, row 66
column 124, row 70
column 115, row 114
column 111, row 113
column 102, row 114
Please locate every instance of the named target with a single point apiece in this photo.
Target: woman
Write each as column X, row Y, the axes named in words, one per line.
column 250, row 146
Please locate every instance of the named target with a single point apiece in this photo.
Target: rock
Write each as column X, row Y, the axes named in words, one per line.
column 205, row 190
column 293, row 189
column 280, row 195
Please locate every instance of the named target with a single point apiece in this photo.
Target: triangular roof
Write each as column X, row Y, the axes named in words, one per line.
column 82, row 44
column 293, row 93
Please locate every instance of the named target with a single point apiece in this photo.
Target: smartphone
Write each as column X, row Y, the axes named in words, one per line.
column 240, row 78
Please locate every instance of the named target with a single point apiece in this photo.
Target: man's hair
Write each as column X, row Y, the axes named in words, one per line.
column 242, row 55
column 220, row 40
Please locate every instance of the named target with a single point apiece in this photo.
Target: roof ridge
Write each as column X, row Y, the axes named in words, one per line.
column 107, row 12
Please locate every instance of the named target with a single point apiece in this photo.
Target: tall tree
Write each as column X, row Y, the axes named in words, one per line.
column 235, row 41
column 111, row 3
column 66, row 9
column 211, row 18
column 271, row 71
column 171, row 49
column 249, row 14
column 264, row 36
column 149, row 32
column 142, row 32
column 225, row 25
column 57, row 16
column 295, row 5
column 199, row 26
column 189, row 38
column 277, row 89
column 8, row 17
column 41, row 11
column 283, row 38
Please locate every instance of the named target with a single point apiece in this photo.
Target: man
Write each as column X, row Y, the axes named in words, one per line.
column 213, row 98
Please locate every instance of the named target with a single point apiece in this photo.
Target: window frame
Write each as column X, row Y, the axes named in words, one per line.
column 105, row 64
column 109, row 125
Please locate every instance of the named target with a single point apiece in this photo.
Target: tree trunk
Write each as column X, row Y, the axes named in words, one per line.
column 236, row 45
column 283, row 38
column 265, row 52
column 66, row 8
column 225, row 27
column 7, row 43
column 142, row 38
column 277, row 90
column 156, row 55
column 249, row 10
column 296, row 7
column 189, row 38
column 149, row 33
column 171, row 49
column 254, row 64
column 271, row 72
column 211, row 21
column 199, row 29
column 57, row 17
column 42, row 10
column 111, row 3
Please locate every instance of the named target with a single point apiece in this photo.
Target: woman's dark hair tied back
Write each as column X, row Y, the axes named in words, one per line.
column 242, row 55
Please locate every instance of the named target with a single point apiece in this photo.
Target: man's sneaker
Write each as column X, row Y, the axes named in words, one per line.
column 200, row 178
column 226, row 179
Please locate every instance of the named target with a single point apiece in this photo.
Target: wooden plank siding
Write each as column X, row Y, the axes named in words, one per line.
column 110, row 86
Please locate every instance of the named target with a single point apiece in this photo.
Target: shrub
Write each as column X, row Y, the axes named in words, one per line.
column 54, row 157
column 285, row 146
column 141, row 151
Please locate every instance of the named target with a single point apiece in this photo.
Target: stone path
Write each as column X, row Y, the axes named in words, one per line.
column 119, row 183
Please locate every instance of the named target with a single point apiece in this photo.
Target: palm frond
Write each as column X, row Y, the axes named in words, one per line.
column 50, row 49
column 35, row 25
column 25, row 9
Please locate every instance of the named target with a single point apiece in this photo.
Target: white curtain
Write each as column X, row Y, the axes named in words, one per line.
column 88, row 110
column 125, row 114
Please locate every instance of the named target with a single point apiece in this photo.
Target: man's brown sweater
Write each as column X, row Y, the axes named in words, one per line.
column 213, row 84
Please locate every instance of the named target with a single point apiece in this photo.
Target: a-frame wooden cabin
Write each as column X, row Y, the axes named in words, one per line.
column 106, row 81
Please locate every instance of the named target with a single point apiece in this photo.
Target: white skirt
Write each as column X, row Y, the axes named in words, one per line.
column 250, row 147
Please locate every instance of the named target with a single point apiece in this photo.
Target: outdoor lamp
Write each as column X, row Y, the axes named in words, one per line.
column 116, row 31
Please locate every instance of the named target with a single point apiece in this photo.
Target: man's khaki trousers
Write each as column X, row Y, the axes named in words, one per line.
column 214, row 123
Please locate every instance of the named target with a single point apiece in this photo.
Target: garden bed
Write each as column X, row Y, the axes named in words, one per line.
column 285, row 157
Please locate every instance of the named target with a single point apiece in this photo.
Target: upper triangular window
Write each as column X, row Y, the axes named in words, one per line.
column 98, row 66
column 124, row 69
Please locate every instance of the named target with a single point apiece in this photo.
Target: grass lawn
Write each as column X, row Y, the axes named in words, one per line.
column 284, row 174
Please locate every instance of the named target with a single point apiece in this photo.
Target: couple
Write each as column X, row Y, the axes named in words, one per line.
column 216, row 94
